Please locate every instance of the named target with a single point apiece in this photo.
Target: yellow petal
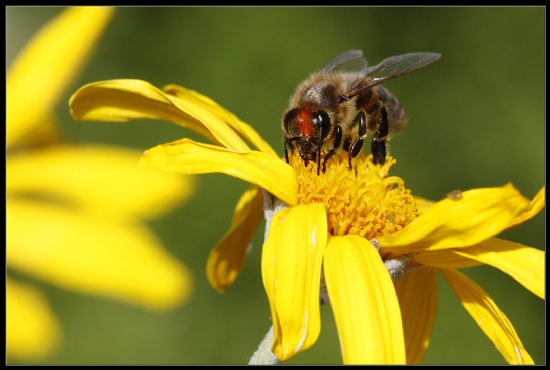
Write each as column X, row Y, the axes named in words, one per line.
column 32, row 330
column 364, row 303
column 423, row 204
column 242, row 128
column 188, row 157
column 48, row 64
column 123, row 100
column 46, row 133
column 227, row 258
column 92, row 255
column 444, row 259
column 480, row 214
column 417, row 294
column 103, row 180
column 525, row 264
column 488, row 316
column 537, row 205
column 291, row 269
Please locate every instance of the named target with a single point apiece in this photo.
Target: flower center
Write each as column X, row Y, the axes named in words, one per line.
column 363, row 201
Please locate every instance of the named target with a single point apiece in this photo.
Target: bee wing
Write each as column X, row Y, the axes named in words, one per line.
column 351, row 60
column 391, row 68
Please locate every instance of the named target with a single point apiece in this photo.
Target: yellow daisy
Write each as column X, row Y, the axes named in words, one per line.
column 355, row 238
column 75, row 212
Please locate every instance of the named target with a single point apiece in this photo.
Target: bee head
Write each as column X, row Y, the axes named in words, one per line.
column 307, row 128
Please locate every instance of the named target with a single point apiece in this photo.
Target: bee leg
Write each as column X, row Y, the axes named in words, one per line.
column 347, row 143
column 318, row 155
column 287, row 144
column 337, row 143
column 357, row 145
column 378, row 145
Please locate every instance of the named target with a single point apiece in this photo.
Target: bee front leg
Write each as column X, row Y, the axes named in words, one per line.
column 378, row 144
column 337, row 142
column 357, row 145
column 286, row 144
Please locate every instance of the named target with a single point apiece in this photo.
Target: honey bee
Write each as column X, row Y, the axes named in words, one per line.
column 343, row 100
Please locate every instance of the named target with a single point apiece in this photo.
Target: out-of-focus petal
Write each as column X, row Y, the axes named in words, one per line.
column 32, row 330
column 444, row 259
column 488, row 316
column 123, row 100
column 480, row 214
column 364, row 303
column 188, row 157
column 92, row 255
column 103, row 180
column 537, row 205
column 42, row 135
column 417, row 294
column 525, row 264
column 49, row 62
column 291, row 269
column 242, row 128
column 227, row 257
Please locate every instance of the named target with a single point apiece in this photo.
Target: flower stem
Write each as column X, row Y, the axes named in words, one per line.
column 263, row 355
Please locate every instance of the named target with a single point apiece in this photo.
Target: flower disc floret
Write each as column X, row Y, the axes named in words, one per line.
column 362, row 201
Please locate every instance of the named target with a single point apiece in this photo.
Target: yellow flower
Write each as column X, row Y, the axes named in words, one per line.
column 74, row 212
column 342, row 236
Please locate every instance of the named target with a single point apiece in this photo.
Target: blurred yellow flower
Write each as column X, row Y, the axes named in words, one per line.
column 75, row 212
column 357, row 238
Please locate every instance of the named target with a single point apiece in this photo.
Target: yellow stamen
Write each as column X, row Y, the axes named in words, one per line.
column 362, row 201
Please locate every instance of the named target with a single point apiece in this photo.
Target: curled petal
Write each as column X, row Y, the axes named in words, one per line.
column 480, row 214
column 123, row 100
column 89, row 254
column 525, row 264
column 291, row 269
column 364, row 303
column 488, row 316
column 223, row 114
column 44, row 69
column 188, row 157
column 417, row 294
column 537, row 205
column 227, row 257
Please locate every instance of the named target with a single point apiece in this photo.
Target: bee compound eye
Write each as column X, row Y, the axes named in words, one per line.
column 290, row 116
column 289, row 120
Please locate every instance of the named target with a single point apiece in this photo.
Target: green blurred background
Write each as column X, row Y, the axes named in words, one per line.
column 476, row 119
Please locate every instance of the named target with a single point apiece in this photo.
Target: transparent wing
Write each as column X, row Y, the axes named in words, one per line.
column 349, row 61
column 391, row 68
